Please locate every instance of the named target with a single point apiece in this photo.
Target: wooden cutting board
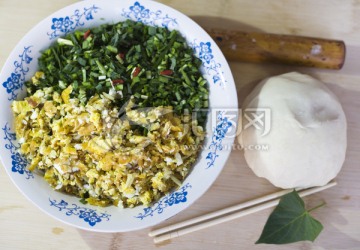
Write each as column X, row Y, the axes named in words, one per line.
column 23, row 226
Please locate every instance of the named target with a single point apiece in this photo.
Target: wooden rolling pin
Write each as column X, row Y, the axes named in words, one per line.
column 284, row 49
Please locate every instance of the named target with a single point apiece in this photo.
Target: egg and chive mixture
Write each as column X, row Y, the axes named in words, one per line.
column 88, row 151
column 114, row 114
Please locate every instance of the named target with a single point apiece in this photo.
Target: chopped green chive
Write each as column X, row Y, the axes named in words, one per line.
column 112, row 49
column 62, row 41
column 152, row 63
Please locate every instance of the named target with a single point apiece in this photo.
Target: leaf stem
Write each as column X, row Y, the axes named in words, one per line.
column 318, row 206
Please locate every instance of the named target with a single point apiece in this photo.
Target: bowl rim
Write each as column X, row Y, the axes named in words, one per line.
column 231, row 85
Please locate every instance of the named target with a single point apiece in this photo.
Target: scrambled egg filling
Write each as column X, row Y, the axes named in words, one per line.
column 97, row 153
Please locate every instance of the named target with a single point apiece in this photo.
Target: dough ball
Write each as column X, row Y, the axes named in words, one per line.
column 306, row 142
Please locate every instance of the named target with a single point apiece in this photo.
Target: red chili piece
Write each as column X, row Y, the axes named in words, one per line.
column 166, row 72
column 87, row 34
column 136, row 71
column 121, row 55
column 118, row 81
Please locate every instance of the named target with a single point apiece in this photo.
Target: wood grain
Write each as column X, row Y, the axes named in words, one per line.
column 25, row 227
column 292, row 50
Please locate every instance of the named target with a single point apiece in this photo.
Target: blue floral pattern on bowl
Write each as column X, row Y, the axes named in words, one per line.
column 15, row 81
column 87, row 214
column 18, row 161
column 63, row 25
column 219, row 134
column 174, row 198
column 138, row 12
column 212, row 68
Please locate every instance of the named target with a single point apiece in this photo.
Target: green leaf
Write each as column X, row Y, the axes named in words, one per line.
column 290, row 222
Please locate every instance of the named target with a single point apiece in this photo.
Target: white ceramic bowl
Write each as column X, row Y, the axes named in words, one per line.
column 22, row 64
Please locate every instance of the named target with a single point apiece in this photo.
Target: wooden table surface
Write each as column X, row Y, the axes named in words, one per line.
column 23, row 226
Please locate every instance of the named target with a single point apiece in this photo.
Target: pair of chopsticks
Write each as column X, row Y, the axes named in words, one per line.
column 220, row 216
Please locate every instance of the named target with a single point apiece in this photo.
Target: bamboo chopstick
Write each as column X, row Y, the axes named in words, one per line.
column 215, row 218
column 219, row 212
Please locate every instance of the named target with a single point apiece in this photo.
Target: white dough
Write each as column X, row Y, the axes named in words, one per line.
column 307, row 138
